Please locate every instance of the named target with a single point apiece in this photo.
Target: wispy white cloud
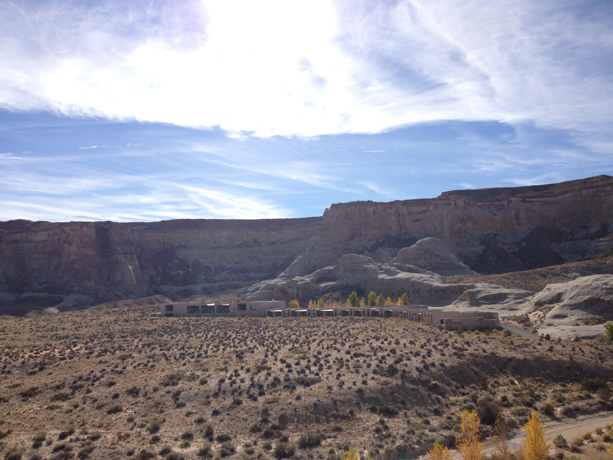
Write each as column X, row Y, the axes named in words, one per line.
column 316, row 67
column 92, row 147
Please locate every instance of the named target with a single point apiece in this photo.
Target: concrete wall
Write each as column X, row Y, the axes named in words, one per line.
column 255, row 308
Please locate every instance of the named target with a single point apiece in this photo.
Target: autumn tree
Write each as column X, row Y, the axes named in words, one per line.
column 372, row 299
column 535, row 447
column 439, row 452
column 321, row 303
column 502, row 433
column 388, row 301
column 351, row 454
column 311, row 304
column 405, row 299
column 468, row 440
column 380, row 300
column 362, row 302
column 399, row 301
column 354, row 300
column 293, row 304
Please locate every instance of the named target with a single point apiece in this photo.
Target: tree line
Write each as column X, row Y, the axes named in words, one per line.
column 354, row 301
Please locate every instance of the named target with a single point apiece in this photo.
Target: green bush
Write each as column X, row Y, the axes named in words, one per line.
column 560, row 442
column 284, row 450
column 548, row 409
column 387, row 411
column 309, row 440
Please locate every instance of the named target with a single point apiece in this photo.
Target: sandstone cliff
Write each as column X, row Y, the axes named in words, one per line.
column 487, row 231
column 45, row 264
column 494, row 230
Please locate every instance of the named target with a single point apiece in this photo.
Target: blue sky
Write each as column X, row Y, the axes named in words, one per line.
column 165, row 109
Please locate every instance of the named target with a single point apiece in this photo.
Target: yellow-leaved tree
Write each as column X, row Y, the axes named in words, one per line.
column 468, row 440
column 372, row 299
column 388, row 301
column 293, row 304
column 439, row 452
column 321, row 303
column 399, row 301
column 351, row 454
column 311, row 304
column 535, row 447
column 362, row 302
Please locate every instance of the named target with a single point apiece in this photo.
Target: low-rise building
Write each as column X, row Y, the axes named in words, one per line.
column 449, row 320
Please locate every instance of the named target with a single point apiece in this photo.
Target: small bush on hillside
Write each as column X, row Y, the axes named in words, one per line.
column 284, row 450
column 548, row 409
column 309, row 440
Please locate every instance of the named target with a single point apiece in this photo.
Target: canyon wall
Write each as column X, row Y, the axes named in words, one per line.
column 493, row 230
column 45, row 264
column 490, row 230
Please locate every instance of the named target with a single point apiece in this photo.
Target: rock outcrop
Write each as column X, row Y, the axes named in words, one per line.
column 485, row 231
column 363, row 274
column 434, row 255
column 577, row 308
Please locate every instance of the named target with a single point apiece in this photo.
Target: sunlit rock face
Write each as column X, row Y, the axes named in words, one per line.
column 490, row 230
column 46, row 264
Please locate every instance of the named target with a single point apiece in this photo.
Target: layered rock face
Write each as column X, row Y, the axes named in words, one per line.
column 486, row 231
column 45, row 264
column 493, row 230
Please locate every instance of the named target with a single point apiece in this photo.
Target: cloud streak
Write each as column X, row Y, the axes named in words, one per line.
column 313, row 68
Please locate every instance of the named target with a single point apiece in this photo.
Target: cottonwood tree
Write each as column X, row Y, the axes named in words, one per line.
column 293, row 304
column 311, row 304
column 372, row 299
column 354, row 300
column 388, row 301
column 535, row 447
column 380, row 300
column 321, row 303
column 405, row 299
column 468, row 440
column 439, row 452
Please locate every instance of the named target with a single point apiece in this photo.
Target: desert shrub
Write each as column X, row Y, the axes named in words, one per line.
column 203, row 381
column 215, row 412
column 38, row 440
column 387, row 411
column 488, row 410
column 223, row 438
column 560, row 442
column 64, row 434
column 115, row 408
column 255, row 428
column 29, row 393
column 588, row 437
column 61, row 397
column 227, row 449
column 284, row 450
column 593, row 385
column 154, row 427
column 14, row 454
column 309, row 440
column 606, row 437
column 604, row 393
column 165, row 451
column 145, row 455
column 548, row 409
column 187, row 436
column 175, row 456
column 578, row 441
column 199, row 420
column 204, row 451
column 134, row 391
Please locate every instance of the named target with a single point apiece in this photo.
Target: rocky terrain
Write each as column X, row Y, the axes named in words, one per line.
column 444, row 251
column 114, row 381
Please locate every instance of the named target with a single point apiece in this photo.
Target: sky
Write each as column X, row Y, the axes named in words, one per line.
column 170, row 109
